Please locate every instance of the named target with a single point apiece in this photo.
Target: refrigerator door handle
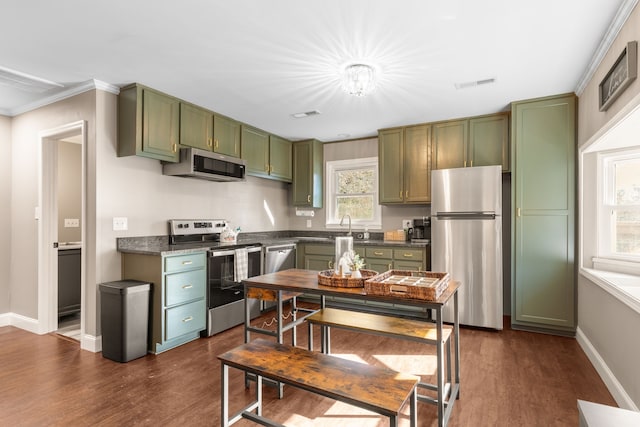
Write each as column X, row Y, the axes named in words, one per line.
column 465, row 215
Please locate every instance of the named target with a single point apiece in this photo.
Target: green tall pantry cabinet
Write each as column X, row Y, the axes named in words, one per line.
column 543, row 203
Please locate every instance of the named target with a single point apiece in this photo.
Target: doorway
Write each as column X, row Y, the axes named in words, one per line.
column 61, row 230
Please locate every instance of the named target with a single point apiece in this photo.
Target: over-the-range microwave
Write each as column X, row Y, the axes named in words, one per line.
column 195, row 163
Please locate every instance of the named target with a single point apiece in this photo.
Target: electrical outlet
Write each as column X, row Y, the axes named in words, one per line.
column 120, row 224
column 71, row 222
column 407, row 223
column 308, row 223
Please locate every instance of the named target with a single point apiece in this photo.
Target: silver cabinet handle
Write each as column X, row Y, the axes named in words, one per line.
column 187, row 286
column 187, row 262
column 187, row 319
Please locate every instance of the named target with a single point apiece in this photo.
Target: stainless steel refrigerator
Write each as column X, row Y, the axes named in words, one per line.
column 466, row 240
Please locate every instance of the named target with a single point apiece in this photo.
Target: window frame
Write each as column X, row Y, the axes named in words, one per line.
column 334, row 166
column 606, row 205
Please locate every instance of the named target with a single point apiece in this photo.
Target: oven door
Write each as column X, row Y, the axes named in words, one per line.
column 225, row 296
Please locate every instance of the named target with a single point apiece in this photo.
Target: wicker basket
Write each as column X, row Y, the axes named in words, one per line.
column 327, row 278
column 422, row 285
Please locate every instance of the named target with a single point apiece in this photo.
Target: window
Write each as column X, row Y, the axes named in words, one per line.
column 619, row 222
column 352, row 189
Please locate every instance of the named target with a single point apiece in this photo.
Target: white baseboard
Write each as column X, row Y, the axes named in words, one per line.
column 5, row 319
column 91, row 343
column 26, row 323
column 615, row 388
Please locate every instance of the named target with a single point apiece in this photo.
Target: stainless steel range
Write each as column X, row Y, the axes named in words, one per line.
column 227, row 264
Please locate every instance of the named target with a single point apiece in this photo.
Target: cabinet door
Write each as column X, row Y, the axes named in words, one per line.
column 408, row 265
column 196, row 127
column 417, row 164
column 160, row 125
column 391, row 165
column 449, row 144
column 543, row 194
column 489, row 141
column 255, row 150
column 308, row 173
column 379, row 265
column 280, row 158
column 303, row 174
column 318, row 262
column 226, row 136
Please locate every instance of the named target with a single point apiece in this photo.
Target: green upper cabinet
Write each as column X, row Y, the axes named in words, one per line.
column 391, row 165
column 196, row 127
column 280, row 158
column 449, row 144
column 267, row 156
column 148, row 123
column 307, row 173
column 489, row 141
column 543, row 203
column 477, row 141
column 255, row 150
column 226, row 136
column 404, row 165
column 417, row 164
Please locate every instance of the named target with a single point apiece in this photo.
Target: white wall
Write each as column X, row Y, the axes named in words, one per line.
column 5, row 213
column 609, row 327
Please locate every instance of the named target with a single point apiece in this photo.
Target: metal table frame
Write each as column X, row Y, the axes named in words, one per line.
column 306, row 281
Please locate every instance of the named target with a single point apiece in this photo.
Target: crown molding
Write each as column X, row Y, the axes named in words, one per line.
column 616, row 25
column 68, row 93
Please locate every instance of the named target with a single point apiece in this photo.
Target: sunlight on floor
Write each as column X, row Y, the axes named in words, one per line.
column 410, row 363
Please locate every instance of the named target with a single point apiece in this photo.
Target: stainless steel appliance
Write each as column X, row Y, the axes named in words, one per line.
column 466, row 231
column 278, row 258
column 207, row 165
column 225, row 294
column 420, row 232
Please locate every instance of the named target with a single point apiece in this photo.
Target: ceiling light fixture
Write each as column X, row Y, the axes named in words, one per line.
column 358, row 79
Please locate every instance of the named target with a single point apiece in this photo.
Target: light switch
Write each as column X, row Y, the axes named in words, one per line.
column 308, row 223
column 71, row 222
column 120, row 224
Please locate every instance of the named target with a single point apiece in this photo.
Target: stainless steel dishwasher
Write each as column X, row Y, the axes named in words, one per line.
column 278, row 258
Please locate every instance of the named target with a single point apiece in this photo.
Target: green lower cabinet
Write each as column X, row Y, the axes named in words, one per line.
column 178, row 306
column 543, row 199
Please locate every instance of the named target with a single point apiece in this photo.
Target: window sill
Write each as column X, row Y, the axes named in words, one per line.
column 624, row 287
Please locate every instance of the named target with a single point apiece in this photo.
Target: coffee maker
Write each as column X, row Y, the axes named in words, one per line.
column 421, row 230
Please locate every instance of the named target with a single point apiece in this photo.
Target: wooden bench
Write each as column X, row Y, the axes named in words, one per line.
column 388, row 326
column 373, row 388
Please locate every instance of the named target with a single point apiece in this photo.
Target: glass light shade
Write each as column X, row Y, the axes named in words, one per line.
column 358, row 79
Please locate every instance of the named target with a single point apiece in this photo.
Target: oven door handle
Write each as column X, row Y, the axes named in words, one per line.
column 232, row 252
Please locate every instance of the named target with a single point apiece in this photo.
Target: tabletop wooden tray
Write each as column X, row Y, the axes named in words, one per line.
column 327, row 278
column 423, row 285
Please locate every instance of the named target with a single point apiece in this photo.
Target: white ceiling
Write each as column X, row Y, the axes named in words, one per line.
column 259, row 61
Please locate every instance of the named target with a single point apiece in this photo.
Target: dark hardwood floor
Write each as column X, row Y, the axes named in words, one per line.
column 509, row 378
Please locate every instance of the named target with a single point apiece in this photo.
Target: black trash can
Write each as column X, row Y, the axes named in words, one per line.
column 124, row 314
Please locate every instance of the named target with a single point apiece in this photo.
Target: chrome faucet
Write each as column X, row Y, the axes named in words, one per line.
column 342, row 220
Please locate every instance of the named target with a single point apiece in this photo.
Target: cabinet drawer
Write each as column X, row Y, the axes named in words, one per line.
column 408, row 265
column 408, row 255
column 183, row 287
column 184, row 262
column 379, row 253
column 185, row 318
column 320, row 249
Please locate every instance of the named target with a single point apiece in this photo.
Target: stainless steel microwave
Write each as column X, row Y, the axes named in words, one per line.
column 201, row 164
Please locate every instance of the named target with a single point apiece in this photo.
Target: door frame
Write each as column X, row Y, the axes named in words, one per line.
column 47, row 216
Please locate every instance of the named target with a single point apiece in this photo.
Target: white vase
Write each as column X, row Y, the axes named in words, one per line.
column 355, row 274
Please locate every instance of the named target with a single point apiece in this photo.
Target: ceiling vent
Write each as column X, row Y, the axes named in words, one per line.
column 305, row 114
column 26, row 82
column 467, row 85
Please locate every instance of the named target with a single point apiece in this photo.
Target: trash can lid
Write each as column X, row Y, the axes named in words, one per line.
column 124, row 286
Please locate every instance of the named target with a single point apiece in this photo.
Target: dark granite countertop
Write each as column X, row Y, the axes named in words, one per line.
column 159, row 245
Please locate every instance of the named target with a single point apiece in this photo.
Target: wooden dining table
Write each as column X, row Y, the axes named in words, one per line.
column 288, row 284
